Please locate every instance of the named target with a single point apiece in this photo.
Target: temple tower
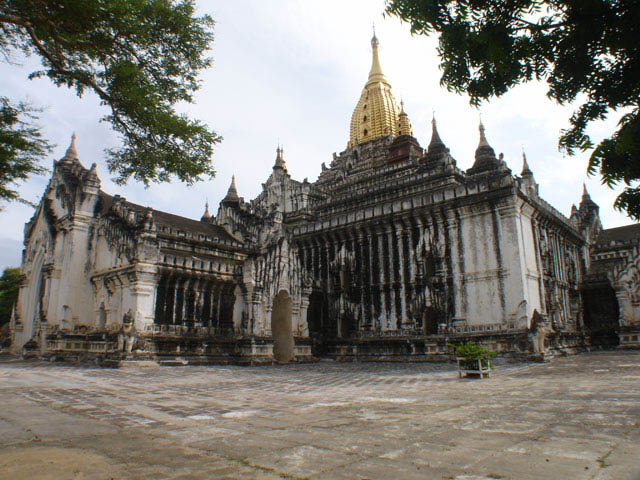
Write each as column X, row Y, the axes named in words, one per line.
column 377, row 114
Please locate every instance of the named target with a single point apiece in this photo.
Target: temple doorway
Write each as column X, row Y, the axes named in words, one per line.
column 33, row 298
column 281, row 328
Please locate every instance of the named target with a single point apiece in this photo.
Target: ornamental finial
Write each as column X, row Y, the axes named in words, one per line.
column 71, row 153
column 483, row 139
column 525, row 166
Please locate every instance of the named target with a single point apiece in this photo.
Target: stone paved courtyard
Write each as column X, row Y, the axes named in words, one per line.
column 575, row 418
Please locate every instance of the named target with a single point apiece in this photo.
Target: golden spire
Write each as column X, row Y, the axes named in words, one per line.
column 404, row 125
column 375, row 74
column 280, row 159
column 206, row 216
column 377, row 114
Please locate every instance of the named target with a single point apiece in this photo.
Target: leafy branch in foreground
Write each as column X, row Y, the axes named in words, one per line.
column 141, row 58
column 586, row 51
column 21, row 147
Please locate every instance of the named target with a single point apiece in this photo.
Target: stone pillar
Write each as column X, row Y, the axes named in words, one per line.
column 458, row 267
column 359, row 251
column 369, row 235
column 535, row 226
column 400, row 234
column 201, row 293
column 143, row 288
column 335, row 286
column 187, row 299
column 411, row 258
column 418, row 299
column 384, row 294
column 392, row 279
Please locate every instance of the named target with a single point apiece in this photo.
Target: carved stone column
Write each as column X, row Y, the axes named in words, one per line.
column 384, row 293
column 369, row 235
column 390, row 278
column 359, row 250
column 402, row 292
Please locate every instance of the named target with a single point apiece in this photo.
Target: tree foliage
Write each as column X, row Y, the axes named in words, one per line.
column 21, row 147
column 586, row 50
column 140, row 57
column 9, row 286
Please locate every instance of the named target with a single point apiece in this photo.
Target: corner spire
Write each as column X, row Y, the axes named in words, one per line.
column 404, row 125
column 483, row 138
column 586, row 203
column 232, row 193
column 71, row 153
column 586, row 198
column 526, row 171
column 206, row 216
column 280, row 159
column 485, row 156
column 436, row 142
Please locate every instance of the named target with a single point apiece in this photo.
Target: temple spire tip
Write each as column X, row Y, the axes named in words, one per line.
column 71, row 152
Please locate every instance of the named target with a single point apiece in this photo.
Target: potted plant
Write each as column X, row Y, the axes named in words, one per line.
column 473, row 359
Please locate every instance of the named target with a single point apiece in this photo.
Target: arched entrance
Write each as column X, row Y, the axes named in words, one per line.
column 315, row 315
column 281, row 328
column 33, row 298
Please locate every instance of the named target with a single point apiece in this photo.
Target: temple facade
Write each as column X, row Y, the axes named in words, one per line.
column 393, row 252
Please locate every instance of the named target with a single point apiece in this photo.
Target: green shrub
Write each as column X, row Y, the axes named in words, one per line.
column 472, row 351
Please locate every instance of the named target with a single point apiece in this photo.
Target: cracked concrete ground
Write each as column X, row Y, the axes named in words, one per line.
column 575, row 418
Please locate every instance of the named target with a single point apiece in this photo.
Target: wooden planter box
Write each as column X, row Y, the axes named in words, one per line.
column 480, row 367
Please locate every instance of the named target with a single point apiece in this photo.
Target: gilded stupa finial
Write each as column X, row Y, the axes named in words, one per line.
column 404, row 125
column 280, row 158
column 375, row 74
column 206, row 215
column 377, row 113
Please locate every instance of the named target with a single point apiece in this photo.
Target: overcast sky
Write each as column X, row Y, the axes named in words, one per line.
column 292, row 71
